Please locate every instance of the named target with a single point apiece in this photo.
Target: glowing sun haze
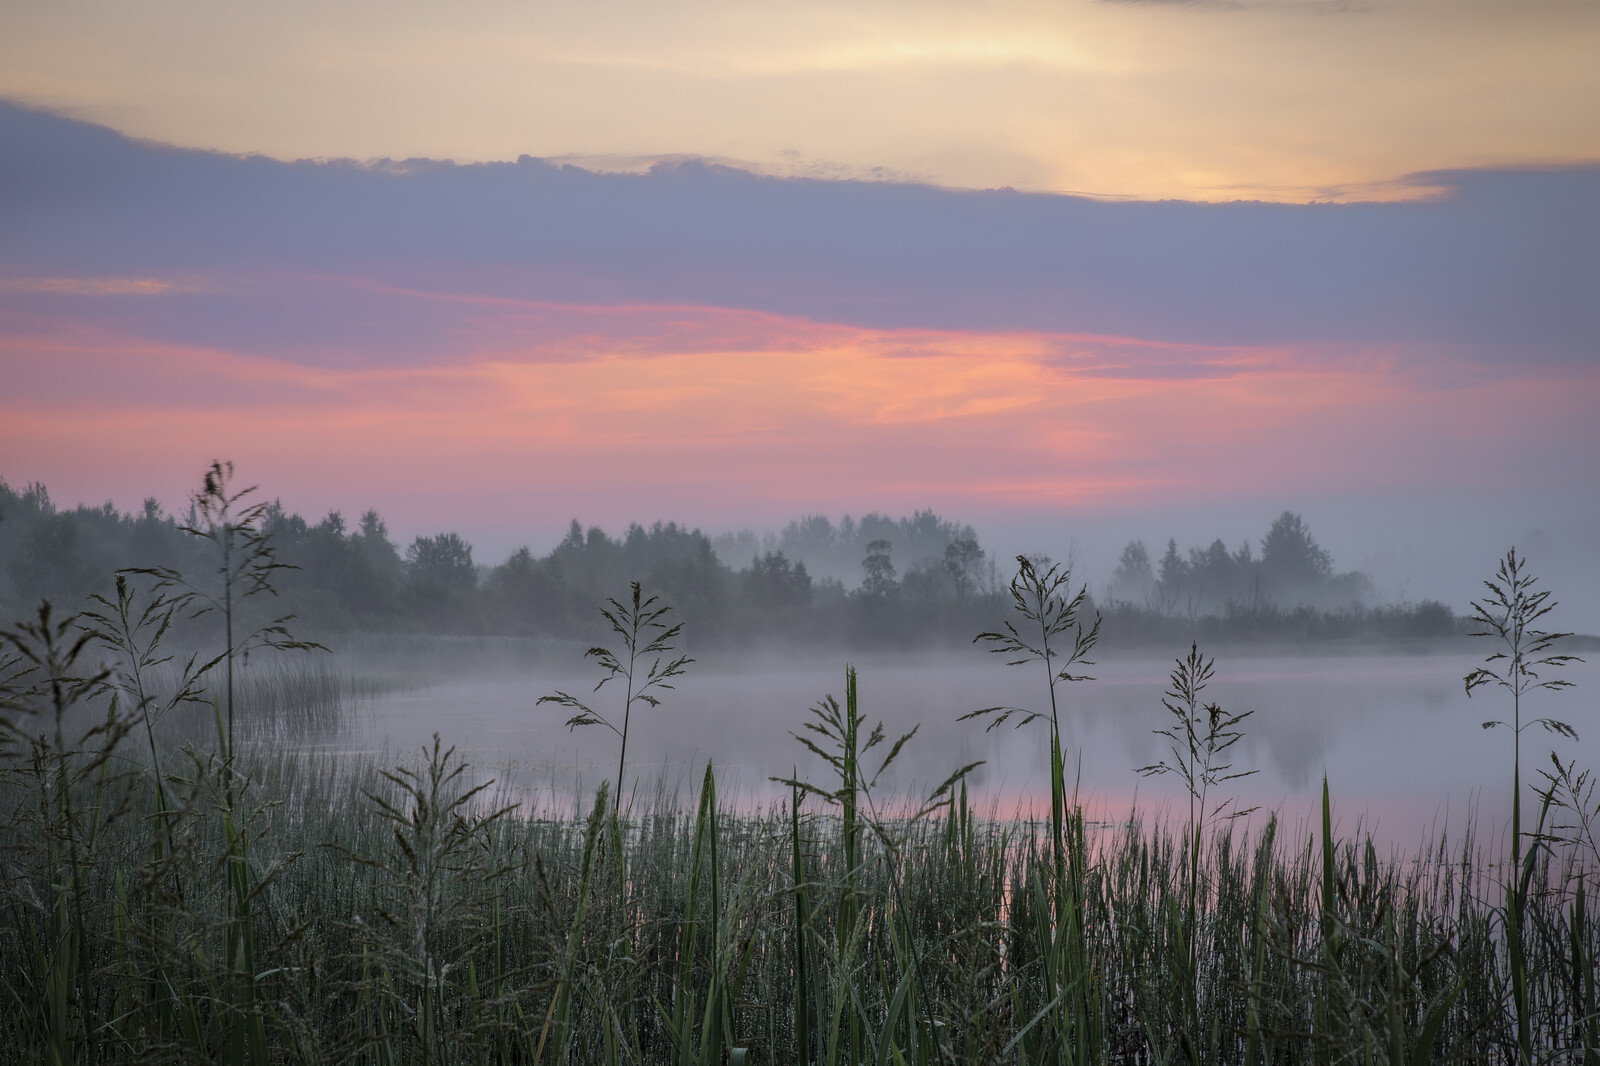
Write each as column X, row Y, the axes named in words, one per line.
column 732, row 263
column 1283, row 101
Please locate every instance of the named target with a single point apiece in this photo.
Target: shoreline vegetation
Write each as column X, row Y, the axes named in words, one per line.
column 229, row 898
column 857, row 585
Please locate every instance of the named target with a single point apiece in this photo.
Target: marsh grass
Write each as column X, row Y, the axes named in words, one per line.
column 302, row 699
column 404, row 915
column 261, row 904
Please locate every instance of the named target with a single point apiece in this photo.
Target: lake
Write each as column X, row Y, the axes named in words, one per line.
column 1399, row 740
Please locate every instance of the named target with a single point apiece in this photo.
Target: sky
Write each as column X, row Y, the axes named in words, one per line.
column 1073, row 272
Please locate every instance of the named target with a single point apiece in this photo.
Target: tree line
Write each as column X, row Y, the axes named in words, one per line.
column 1290, row 570
column 870, row 582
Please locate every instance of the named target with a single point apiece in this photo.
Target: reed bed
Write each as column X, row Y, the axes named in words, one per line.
column 236, row 899
column 298, row 701
column 413, row 915
column 303, row 699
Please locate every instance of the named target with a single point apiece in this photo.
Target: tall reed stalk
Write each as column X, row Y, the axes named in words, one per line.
column 1049, row 631
column 245, row 566
column 134, row 633
column 1523, row 653
column 839, row 743
column 1199, row 739
column 639, row 625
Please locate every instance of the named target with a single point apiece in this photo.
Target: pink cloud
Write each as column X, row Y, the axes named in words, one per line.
column 638, row 411
column 101, row 286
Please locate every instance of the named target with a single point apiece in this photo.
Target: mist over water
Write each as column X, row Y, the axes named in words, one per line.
column 1399, row 740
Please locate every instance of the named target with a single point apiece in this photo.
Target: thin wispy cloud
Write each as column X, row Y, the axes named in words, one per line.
column 99, row 286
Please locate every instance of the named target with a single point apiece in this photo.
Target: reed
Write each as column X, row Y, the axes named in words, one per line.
column 1199, row 739
column 645, row 636
column 1522, row 657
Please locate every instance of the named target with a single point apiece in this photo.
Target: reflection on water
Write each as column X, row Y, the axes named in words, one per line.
column 1399, row 740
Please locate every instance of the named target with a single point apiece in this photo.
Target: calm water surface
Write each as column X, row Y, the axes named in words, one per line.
column 1400, row 742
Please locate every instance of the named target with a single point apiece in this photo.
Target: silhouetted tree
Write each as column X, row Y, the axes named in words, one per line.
column 1292, row 563
column 348, row 579
column 1172, row 578
column 49, row 563
column 962, row 560
column 925, row 581
column 441, row 578
column 811, row 537
column 773, row 583
column 1211, row 574
column 880, row 580
column 1134, row 579
column 377, row 572
column 528, row 590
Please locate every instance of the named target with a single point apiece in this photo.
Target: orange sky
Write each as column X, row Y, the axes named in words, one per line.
column 782, row 417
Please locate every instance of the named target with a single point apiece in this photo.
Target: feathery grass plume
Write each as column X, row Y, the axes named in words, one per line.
column 1200, row 737
column 1523, row 653
column 1048, row 616
column 644, row 635
column 1573, row 792
column 246, row 565
column 1052, row 634
column 134, row 631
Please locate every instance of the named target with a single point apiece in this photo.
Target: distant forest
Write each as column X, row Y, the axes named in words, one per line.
column 873, row 582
